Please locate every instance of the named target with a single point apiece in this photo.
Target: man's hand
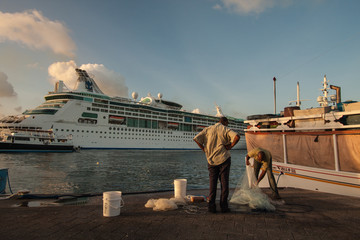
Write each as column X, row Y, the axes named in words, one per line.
column 228, row 146
column 201, row 146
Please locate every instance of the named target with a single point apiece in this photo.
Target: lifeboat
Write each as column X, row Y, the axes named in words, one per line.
column 116, row 119
column 173, row 125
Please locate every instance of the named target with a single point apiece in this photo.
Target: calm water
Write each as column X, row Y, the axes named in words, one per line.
column 94, row 171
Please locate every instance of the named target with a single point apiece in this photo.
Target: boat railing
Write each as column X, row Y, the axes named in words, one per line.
column 329, row 120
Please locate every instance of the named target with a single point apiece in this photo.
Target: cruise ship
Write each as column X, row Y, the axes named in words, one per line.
column 95, row 120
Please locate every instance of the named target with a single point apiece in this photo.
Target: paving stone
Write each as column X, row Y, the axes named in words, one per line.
column 306, row 215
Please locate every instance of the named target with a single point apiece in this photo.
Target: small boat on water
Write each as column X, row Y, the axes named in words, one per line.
column 33, row 141
column 316, row 149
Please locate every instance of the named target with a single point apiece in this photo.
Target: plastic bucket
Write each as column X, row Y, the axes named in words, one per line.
column 180, row 188
column 112, row 202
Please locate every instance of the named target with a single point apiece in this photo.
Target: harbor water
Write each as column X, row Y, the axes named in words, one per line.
column 96, row 171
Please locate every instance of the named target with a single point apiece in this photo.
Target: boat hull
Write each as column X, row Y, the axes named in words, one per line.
column 319, row 160
column 17, row 147
column 316, row 179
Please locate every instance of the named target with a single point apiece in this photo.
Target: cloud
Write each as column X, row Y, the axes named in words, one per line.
column 64, row 71
column 6, row 89
column 110, row 82
column 217, row 7
column 196, row 110
column 34, row 30
column 250, row 6
column 33, row 65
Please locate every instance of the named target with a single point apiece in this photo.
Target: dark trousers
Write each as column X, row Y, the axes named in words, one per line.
column 222, row 173
column 270, row 175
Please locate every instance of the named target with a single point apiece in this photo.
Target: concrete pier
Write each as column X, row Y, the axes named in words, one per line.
column 305, row 215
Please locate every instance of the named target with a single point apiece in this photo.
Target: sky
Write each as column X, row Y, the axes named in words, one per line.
column 199, row 53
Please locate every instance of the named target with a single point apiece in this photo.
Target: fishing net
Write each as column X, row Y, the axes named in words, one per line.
column 248, row 193
column 161, row 204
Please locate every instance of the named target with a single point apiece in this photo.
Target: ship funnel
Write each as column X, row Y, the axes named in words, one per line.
column 59, row 86
column 85, row 83
column 338, row 93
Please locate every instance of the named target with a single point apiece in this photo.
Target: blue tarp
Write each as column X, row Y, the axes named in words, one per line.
column 3, row 179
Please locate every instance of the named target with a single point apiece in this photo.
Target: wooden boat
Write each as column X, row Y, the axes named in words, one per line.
column 317, row 148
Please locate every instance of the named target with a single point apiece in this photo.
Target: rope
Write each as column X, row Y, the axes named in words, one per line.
column 9, row 184
column 192, row 209
column 279, row 178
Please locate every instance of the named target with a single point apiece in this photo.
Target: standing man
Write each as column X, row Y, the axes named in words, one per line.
column 216, row 141
column 263, row 160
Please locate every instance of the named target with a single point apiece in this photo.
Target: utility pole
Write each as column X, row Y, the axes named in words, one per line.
column 274, row 95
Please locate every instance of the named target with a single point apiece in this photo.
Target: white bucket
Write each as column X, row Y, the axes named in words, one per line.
column 180, row 188
column 112, row 202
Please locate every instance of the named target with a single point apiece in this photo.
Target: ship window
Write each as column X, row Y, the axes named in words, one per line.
column 22, row 138
column 101, row 101
column 40, row 111
column 89, row 115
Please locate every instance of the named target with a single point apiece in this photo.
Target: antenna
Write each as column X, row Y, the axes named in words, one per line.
column 274, row 95
column 298, row 100
column 298, row 103
column 324, row 101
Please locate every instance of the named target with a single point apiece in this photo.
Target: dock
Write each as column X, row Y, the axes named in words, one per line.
column 305, row 215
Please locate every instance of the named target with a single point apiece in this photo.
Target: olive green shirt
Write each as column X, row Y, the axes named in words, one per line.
column 266, row 162
column 215, row 138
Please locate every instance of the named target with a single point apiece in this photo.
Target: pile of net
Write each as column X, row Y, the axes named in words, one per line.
column 164, row 204
column 248, row 193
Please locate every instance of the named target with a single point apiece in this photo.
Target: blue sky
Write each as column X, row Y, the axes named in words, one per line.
column 195, row 52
